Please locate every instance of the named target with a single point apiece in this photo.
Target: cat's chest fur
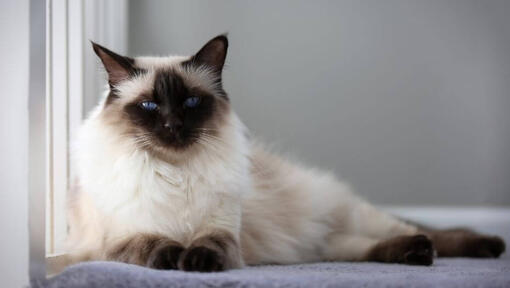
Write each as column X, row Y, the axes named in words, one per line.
column 134, row 191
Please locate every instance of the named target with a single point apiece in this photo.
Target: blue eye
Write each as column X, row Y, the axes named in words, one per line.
column 192, row 102
column 149, row 105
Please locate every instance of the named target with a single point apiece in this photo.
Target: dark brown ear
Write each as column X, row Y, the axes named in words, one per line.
column 213, row 54
column 119, row 68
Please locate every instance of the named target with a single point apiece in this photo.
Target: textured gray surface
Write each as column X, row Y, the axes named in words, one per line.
column 443, row 273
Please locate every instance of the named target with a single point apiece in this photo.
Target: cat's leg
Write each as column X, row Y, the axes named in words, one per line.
column 371, row 222
column 345, row 247
column 368, row 234
column 462, row 242
column 413, row 250
column 216, row 251
column 367, row 220
column 150, row 250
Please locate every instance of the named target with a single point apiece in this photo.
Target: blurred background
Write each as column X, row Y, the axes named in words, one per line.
column 406, row 100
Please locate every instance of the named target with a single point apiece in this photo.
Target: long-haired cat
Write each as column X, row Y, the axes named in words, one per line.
column 169, row 178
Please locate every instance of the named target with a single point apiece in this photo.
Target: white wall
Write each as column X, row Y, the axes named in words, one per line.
column 14, row 53
column 406, row 99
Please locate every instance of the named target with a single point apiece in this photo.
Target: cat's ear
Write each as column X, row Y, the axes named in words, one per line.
column 213, row 54
column 119, row 68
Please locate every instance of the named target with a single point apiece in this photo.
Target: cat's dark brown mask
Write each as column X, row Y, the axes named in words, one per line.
column 169, row 102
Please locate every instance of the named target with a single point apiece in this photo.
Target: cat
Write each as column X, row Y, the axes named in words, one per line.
column 170, row 178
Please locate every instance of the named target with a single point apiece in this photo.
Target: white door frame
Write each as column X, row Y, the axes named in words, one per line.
column 74, row 86
column 63, row 78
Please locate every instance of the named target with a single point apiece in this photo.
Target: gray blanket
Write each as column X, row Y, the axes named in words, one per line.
column 443, row 273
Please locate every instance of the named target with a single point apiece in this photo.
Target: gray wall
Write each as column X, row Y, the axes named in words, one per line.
column 406, row 100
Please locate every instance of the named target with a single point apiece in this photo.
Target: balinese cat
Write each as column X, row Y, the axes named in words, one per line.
column 169, row 178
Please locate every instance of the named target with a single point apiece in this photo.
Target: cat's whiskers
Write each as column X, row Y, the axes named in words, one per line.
column 207, row 129
column 209, row 144
column 216, row 139
column 143, row 140
column 216, row 142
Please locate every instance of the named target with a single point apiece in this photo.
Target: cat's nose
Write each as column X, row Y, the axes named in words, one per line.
column 172, row 127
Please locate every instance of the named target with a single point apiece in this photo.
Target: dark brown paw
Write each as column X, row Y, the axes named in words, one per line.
column 485, row 247
column 201, row 259
column 419, row 251
column 165, row 258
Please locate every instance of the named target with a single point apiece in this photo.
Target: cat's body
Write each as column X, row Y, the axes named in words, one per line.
column 205, row 196
column 131, row 191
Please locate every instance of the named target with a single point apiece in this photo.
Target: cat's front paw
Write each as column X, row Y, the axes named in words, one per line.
column 484, row 247
column 165, row 258
column 201, row 259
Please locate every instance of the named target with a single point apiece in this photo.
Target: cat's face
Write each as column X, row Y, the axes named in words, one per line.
column 167, row 103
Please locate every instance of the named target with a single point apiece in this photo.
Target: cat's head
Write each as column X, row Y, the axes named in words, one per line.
column 167, row 103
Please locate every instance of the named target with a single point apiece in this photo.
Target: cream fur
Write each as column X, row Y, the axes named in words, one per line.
column 280, row 212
